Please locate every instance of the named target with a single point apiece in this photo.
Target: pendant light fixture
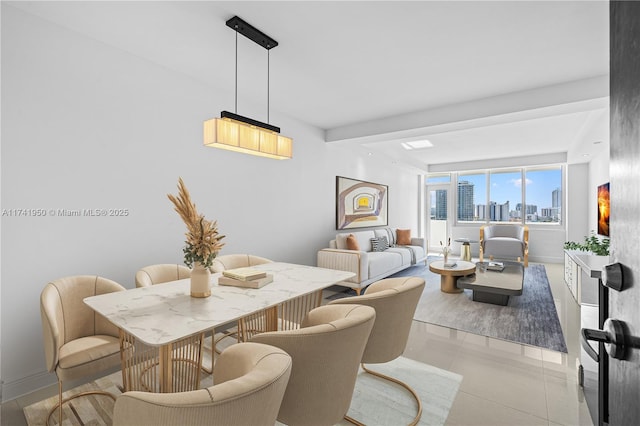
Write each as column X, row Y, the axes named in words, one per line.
column 242, row 134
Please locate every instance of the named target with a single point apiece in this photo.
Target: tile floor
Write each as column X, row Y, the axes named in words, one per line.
column 504, row 383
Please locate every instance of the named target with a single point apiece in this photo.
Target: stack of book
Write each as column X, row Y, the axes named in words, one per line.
column 245, row 277
column 495, row 266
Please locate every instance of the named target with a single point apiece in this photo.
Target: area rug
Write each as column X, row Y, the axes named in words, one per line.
column 375, row 401
column 531, row 318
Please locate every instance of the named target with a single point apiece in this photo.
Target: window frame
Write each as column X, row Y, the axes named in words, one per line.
column 455, row 178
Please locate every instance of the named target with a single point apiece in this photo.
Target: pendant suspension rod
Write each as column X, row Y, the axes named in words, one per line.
column 257, row 36
column 268, row 85
column 236, row 102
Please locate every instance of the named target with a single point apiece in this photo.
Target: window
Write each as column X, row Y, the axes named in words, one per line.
column 544, row 195
column 472, row 197
column 505, row 201
column 500, row 196
column 439, row 178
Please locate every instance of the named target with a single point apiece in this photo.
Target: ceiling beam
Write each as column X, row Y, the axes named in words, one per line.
column 579, row 95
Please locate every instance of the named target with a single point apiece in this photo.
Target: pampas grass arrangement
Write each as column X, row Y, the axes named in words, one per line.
column 203, row 241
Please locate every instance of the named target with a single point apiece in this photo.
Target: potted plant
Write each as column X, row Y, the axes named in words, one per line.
column 593, row 244
column 202, row 244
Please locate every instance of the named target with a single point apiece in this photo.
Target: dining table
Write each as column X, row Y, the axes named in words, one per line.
column 162, row 327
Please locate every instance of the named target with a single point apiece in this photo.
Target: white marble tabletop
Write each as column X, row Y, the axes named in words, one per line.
column 165, row 313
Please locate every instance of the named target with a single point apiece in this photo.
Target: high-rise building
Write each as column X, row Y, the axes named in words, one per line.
column 556, row 198
column 504, row 212
column 499, row 212
column 441, row 204
column 529, row 209
column 550, row 214
column 465, row 200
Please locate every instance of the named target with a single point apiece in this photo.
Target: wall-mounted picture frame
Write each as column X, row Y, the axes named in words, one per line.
column 360, row 204
column 603, row 209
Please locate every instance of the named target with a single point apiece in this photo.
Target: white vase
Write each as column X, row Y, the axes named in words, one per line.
column 200, row 278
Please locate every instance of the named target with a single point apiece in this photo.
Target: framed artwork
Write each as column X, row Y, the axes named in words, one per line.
column 603, row 209
column 360, row 204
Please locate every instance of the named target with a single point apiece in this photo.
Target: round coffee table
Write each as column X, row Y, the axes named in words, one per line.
column 449, row 275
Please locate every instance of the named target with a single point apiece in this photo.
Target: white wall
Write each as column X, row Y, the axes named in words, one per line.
column 576, row 200
column 87, row 126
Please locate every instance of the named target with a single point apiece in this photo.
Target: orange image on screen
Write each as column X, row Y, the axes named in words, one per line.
column 603, row 209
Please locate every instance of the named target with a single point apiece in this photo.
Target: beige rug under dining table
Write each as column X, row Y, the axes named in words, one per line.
column 162, row 327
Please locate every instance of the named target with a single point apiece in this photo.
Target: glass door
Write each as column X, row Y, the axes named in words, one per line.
column 438, row 213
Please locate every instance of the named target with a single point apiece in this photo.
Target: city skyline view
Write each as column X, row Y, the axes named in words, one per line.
column 542, row 203
column 507, row 186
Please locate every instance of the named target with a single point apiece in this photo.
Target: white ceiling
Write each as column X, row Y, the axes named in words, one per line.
column 479, row 79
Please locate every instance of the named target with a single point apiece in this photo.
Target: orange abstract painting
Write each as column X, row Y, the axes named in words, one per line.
column 603, row 209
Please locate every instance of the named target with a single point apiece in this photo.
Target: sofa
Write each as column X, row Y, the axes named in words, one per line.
column 366, row 255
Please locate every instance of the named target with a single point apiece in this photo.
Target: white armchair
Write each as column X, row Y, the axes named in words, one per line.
column 507, row 241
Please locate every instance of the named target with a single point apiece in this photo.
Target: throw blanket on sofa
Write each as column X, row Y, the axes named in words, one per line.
column 391, row 237
column 413, row 253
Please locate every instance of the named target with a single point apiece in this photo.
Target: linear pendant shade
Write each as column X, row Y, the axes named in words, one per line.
column 242, row 134
column 237, row 136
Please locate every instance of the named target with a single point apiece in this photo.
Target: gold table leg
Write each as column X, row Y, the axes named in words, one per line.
column 292, row 312
column 174, row 367
column 286, row 316
column 165, row 364
column 448, row 284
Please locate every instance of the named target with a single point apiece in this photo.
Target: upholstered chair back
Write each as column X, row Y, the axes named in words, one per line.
column 395, row 301
column 326, row 354
column 232, row 261
column 507, row 231
column 161, row 273
column 249, row 382
column 66, row 318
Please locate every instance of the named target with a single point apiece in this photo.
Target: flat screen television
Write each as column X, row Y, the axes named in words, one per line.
column 603, row 209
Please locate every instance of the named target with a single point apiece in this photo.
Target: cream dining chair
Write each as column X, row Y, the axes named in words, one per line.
column 326, row 352
column 249, row 382
column 161, row 273
column 395, row 301
column 78, row 342
column 232, row 261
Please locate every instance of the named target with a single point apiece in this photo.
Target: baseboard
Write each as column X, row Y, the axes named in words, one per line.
column 546, row 259
column 25, row 385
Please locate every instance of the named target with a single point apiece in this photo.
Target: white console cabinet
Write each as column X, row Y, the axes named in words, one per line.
column 572, row 275
column 581, row 269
